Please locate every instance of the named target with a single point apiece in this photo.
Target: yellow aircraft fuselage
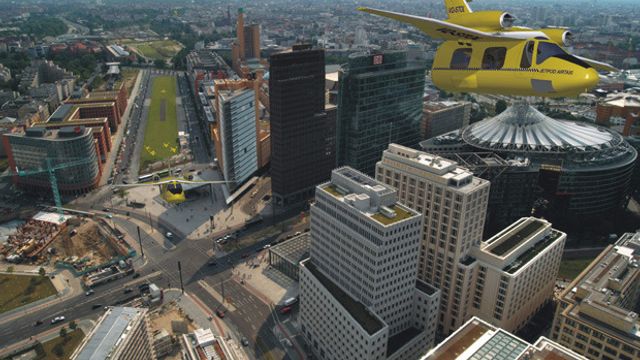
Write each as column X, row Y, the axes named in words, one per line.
column 173, row 193
column 507, row 68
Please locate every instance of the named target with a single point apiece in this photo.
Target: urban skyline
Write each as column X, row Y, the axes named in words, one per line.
column 287, row 180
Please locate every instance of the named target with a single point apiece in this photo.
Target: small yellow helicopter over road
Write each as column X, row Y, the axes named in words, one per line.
column 171, row 189
column 484, row 53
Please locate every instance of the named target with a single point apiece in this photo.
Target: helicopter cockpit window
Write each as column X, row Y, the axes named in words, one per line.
column 461, row 58
column 493, row 58
column 527, row 55
column 547, row 50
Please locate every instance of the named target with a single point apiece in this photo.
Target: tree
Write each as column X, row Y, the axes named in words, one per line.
column 501, row 106
column 159, row 63
column 63, row 332
column 42, row 272
column 58, row 349
column 10, row 269
column 73, row 325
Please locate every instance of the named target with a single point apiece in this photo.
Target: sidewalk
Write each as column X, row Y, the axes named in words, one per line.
column 65, row 283
column 199, row 312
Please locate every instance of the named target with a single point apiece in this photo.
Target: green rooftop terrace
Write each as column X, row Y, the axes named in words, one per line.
column 401, row 214
column 331, row 189
column 520, row 236
column 531, row 253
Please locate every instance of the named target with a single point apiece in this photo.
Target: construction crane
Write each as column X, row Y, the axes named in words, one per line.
column 51, row 171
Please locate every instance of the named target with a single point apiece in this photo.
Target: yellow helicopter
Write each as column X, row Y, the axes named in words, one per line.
column 172, row 190
column 483, row 52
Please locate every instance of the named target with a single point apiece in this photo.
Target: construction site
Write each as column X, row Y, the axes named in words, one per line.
column 80, row 243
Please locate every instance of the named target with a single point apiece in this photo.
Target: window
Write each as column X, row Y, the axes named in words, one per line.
column 493, row 58
column 527, row 55
column 547, row 50
column 461, row 59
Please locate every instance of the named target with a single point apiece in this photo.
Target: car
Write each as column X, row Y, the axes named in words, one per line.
column 245, row 255
column 297, row 233
column 244, row 341
column 266, row 246
column 169, row 235
column 220, row 314
column 290, row 301
column 90, row 292
column 127, row 290
column 38, row 322
column 136, row 275
column 95, row 306
column 285, row 310
column 212, row 263
column 57, row 319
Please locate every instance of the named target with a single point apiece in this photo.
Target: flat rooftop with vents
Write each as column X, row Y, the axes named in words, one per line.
column 371, row 198
column 479, row 340
column 517, row 244
column 605, row 295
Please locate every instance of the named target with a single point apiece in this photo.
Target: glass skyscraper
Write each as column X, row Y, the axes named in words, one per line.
column 379, row 102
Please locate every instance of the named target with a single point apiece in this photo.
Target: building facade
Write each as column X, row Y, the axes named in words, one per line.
column 235, row 134
column 453, row 203
column 444, row 116
column 122, row 333
column 516, row 272
column 597, row 314
column 28, row 151
column 379, row 102
column 504, row 280
column 360, row 297
column 300, row 127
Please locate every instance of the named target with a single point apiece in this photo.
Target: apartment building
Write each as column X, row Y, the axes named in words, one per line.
column 597, row 314
column 503, row 280
column 359, row 295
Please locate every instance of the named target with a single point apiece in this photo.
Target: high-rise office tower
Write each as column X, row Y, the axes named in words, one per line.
column 236, row 130
column 359, row 294
column 300, row 128
column 503, row 280
column 454, row 205
column 379, row 102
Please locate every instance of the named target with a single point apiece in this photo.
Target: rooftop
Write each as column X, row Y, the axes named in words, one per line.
column 111, row 329
column 371, row 198
column 599, row 296
column 514, row 239
column 369, row 322
column 446, row 171
column 295, row 249
column 525, row 257
column 479, row 340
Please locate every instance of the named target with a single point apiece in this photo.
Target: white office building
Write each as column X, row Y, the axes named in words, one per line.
column 359, row 293
column 503, row 280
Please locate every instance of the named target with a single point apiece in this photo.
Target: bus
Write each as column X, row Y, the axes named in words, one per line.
column 145, row 178
column 163, row 173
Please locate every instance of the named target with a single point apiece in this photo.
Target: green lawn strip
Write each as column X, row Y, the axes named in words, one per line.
column 19, row 290
column 68, row 345
column 571, row 268
column 157, row 132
